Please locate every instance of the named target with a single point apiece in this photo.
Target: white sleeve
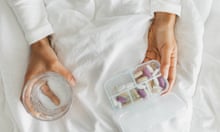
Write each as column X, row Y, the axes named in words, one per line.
column 170, row 6
column 32, row 16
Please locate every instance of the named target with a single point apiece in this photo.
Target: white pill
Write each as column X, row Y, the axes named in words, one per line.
column 155, row 72
column 142, row 79
column 156, row 82
column 150, row 84
column 150, row 68
column 138, row 74
column 156, row 90
column 141, row 86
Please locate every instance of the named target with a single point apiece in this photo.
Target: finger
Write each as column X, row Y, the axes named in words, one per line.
column 50, row 94
column 151, row 55
column 27, row 101
column 66, row 74
column 29, row 75
column 165, row 60
column 172, row 70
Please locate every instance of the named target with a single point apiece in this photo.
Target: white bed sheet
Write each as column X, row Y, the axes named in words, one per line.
column 206, row 117
column 13, row 62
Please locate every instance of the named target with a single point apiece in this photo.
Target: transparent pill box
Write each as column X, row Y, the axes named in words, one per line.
column 140, row 83
column 136, row 97
column 47, row 96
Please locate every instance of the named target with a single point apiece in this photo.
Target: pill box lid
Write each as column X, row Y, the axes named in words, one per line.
column 143, row 115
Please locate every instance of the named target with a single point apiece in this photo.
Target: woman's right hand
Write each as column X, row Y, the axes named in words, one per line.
column 43, row 59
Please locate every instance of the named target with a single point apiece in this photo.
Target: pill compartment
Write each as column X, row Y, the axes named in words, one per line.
column 136, row 84
column 146, row 71
column 122, row 91
column 148, row 74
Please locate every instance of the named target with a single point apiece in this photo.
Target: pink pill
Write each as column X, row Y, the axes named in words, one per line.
column 141, row 92
column 147, row 72
column 162, row 82
column 121, row 99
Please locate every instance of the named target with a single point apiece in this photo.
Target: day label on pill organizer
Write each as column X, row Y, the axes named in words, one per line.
column 137, row 84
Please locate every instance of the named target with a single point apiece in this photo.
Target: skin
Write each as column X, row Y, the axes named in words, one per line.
column 43, row 59
column 162, row 47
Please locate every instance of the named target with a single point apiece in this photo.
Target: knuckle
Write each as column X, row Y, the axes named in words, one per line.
column 165, row 65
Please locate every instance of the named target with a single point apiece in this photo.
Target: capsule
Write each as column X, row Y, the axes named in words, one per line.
column 121, row 99
column 162, row 82
column 138, row 74
column 148, row 71
column 142, row 79
column 141, row 92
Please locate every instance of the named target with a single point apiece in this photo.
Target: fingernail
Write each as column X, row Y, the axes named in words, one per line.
column 72, row 82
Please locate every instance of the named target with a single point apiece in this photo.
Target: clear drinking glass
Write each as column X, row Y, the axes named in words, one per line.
column 38, row 102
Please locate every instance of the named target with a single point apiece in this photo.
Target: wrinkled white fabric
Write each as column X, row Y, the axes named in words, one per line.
column 33, row 19
column 96, row 40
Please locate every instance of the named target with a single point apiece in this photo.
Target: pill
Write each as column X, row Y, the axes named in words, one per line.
column 150, row 84
column 150, row 68
column 134, row 94
column 155, row 72
column 147, row 72
column 154, row 66
column 138, row 74
column 141, row 92
column 162, row 82
column 142, row 79
column 156, row 82
column 121, row 99
column 156, row 90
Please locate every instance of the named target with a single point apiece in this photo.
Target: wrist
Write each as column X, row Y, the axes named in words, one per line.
column 40, row 45
column 43, row 51
column 164, row 20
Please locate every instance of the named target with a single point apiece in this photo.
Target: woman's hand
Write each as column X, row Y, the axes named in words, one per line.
column 162, row 45
column 43, row 59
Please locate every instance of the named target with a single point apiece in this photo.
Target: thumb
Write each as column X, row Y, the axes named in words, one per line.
column 67, row 75
column 165, row 54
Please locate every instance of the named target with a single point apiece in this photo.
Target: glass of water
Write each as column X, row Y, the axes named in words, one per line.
column 47, row 96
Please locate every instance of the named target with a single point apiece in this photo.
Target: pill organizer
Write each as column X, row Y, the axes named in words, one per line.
column 136, row 97
column 140, row 83
column 36, row 99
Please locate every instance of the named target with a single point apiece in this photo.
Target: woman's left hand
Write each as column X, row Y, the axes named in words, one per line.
column 162, row 45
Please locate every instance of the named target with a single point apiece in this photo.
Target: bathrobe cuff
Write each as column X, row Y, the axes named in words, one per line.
column 169, row 6
column 33, row 19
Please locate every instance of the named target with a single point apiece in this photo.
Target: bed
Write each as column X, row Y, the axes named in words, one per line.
column 94, row 53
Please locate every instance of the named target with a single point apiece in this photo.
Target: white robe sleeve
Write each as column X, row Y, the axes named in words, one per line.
column 32, row 16
column 170, row 6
